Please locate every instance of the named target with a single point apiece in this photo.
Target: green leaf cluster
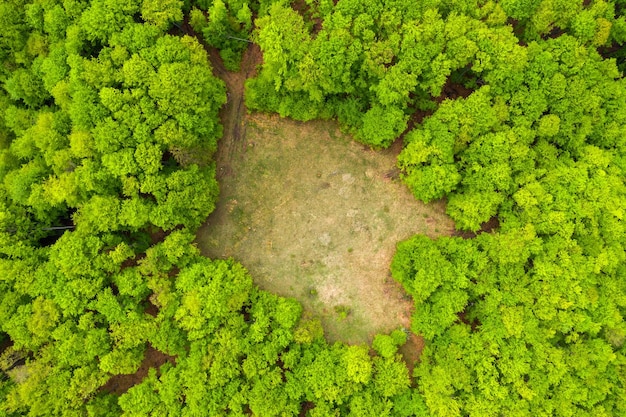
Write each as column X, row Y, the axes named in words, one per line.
column 513, row 111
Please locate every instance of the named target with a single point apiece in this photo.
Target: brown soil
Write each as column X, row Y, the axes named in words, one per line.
column 151, row 309
column 119, row 384
column 452, row 91
column 233, row 113
column 489, row 226
column 308, row 15
column 412, row 350
column 305, row 407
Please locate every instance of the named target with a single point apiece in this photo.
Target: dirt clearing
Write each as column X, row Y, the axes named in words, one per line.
column 315, row 216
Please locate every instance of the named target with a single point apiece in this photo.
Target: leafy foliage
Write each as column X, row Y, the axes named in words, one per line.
column 108, row 126
column 516, row 314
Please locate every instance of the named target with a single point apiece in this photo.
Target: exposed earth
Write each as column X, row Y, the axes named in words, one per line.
column 314, row 215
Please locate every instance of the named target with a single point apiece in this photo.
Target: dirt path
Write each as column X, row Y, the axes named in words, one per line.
column 119, row 384
column 233, row 114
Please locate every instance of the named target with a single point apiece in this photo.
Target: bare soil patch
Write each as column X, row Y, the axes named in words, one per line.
column 119, row 384
column 411, row 351
column 316, row 216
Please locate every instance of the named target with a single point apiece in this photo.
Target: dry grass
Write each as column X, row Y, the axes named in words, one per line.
column 316, row 216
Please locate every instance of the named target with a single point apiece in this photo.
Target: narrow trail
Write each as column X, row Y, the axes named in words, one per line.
column 233, row 113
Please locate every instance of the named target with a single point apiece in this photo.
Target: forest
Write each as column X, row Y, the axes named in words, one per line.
column 512, row 111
